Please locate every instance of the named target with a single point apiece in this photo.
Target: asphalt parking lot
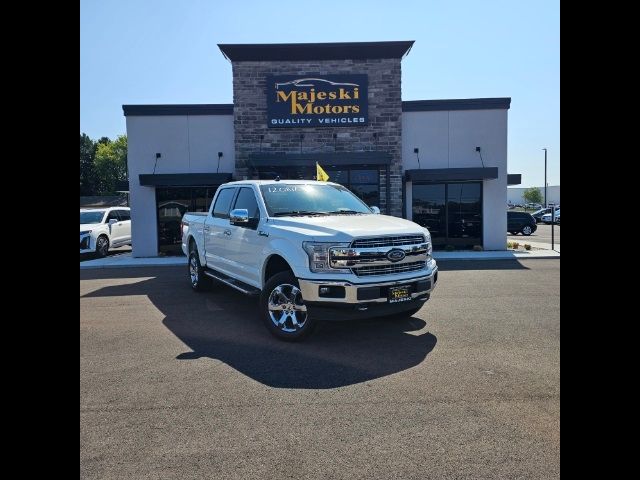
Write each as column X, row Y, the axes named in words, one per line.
column 176, row 384
column 542, row 234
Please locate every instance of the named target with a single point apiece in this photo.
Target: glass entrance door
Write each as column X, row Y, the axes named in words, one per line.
column 451, row 211
column 429, row 210
column 464, row 212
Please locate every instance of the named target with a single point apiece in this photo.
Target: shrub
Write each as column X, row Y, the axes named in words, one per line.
column 509, row 244
column 515, row 245
column 477, row 248
column 527, row 246
column 449, row 248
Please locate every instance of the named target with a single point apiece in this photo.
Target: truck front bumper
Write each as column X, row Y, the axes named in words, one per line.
column 335, row 300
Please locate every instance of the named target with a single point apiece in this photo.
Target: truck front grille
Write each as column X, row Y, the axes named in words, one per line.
column 387, row 269
column 387, row 241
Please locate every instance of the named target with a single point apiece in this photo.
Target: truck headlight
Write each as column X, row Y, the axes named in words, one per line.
column 319, row 256
column 427, row 238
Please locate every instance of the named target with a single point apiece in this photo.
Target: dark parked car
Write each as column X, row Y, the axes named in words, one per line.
column 520, row 222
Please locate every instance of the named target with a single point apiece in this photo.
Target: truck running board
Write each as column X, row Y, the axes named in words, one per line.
column 232, row 282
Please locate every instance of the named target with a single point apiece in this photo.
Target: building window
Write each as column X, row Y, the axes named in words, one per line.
column 172, row 203
column 451, row 211
column 364, row 182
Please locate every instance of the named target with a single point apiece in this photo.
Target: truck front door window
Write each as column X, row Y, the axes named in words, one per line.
column 247, row 199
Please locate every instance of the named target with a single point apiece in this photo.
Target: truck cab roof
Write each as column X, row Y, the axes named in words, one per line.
column 272, row 182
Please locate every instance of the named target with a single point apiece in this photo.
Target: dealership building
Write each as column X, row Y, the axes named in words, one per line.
column 440, row 163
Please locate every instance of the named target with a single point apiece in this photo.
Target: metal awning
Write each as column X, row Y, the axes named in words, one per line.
column 183, row 179
column 514, row 178
column 451, row 174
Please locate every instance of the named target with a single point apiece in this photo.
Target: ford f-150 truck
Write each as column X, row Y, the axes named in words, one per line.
column 311, row 251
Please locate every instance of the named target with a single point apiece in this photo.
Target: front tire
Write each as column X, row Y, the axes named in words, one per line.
column 102, row 246
column 527, row 230
column 283, row 310
column 199, row 281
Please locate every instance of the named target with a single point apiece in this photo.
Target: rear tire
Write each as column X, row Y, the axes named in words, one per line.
column 283, row 310
column 199, row 281
column 527, row 230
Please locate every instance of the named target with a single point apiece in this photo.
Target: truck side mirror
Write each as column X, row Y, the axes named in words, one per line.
column 375, row 210
column 112, row 221
column 239, row 216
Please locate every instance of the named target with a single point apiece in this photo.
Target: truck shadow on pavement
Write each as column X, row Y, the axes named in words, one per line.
column 224, row 324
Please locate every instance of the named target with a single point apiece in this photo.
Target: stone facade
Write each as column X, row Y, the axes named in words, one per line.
column 385, row 117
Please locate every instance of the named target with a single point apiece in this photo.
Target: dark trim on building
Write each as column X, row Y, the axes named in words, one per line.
column 183, row 179
column 514, row 178
column 186, row 109
column 227, row 108
column 451, row 174
column 324, row 159
column 457, row 104
column 314, row 51
column 122, row 186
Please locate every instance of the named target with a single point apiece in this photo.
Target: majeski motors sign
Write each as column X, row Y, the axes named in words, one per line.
column 317, row 101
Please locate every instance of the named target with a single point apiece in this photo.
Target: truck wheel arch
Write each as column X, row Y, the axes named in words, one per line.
column 191, row 243
column 274, row 264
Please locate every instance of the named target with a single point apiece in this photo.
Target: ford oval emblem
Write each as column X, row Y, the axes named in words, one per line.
column 395, row 255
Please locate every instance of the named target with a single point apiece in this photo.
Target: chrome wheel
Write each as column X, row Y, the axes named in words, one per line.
column 193, row 269
column 526, row 230
column 287, row 310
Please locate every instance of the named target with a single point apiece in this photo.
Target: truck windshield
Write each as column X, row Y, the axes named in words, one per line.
column 285, row 199
column 91, row 217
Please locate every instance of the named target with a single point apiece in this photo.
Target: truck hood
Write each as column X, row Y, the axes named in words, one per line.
column 344, row 228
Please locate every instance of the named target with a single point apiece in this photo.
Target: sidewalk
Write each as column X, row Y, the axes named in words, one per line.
column 546, row 246
column 126, row 260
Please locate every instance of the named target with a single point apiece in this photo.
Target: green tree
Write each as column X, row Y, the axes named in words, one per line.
column 87, row 165
column 111, row 164
column 532, row 195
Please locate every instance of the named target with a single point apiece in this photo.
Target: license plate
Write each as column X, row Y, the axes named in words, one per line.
column 399, row 294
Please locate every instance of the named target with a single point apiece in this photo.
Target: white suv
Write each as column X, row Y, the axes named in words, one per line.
column 101, row 228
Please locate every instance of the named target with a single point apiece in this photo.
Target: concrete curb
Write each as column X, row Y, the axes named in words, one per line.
column 501, row 255
column 126, row 260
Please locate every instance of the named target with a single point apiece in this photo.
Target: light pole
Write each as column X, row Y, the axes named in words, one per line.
column 545, row 177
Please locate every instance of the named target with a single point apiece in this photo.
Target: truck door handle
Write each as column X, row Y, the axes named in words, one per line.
column 206, row 229
column 262, row 233
column 227, row 232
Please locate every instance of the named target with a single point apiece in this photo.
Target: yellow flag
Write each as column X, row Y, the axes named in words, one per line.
column 321, row 174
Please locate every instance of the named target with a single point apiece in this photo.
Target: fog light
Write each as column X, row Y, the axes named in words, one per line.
column 330, row 291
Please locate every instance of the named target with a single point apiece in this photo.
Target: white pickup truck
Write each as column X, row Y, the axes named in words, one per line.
column 311, row 251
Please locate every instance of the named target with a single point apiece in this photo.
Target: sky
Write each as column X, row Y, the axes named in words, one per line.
column 165, row 51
